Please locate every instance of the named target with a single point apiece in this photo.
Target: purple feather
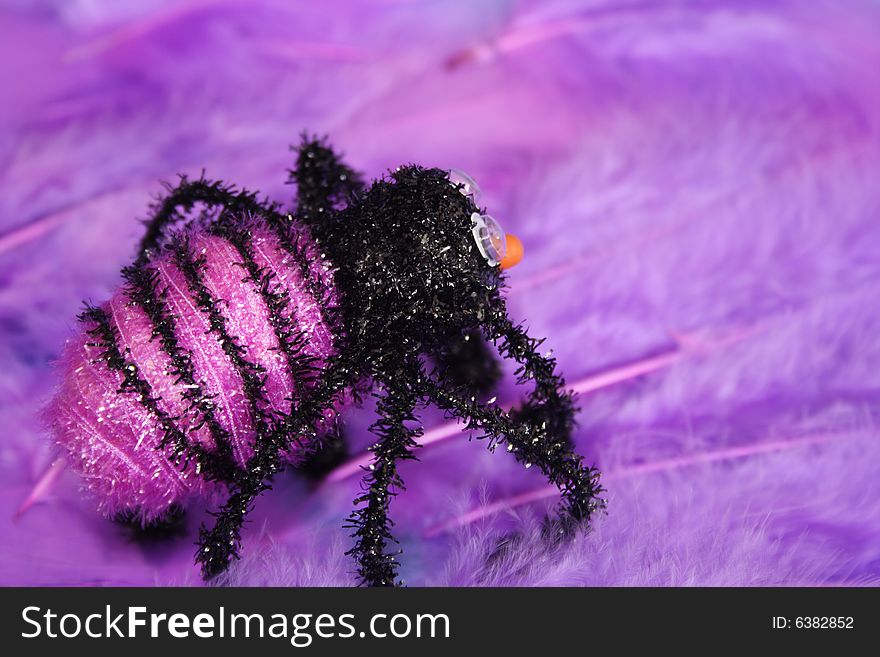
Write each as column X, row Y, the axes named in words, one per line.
column 696, row 187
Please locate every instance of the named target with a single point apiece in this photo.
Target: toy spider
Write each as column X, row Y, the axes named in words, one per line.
column 192, row 379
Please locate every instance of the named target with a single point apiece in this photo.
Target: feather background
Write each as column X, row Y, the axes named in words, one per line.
column 696, row 184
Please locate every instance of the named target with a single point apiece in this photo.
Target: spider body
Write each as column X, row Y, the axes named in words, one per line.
column 234, row 340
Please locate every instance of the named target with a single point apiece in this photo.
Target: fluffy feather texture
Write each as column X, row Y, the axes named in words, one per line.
column 695, row 184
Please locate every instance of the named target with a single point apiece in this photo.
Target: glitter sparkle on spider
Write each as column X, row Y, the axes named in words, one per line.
column 241, row 329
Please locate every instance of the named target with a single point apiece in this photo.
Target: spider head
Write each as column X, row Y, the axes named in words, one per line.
column 418, row 258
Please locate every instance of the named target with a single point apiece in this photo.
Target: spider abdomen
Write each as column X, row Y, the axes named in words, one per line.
column 220, row 332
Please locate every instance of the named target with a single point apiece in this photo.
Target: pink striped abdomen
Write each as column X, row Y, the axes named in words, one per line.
column 113, row 436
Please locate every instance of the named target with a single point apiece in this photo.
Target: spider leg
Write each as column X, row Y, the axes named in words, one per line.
column 219, row 546
column 181, row 199
column 372, row 527
column 323, row 181
column 531, row 444
column 548, row 414
column 549, row 405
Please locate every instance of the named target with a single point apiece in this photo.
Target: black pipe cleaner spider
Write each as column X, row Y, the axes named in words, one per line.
column 415, row 277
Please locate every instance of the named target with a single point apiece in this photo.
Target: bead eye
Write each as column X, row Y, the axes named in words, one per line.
column 468, row 186
column 489, row 237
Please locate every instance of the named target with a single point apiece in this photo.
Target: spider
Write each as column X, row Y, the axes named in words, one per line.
column 192, row 380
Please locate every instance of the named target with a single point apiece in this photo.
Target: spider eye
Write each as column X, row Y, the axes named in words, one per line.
column 489, row 237
column 468, row 186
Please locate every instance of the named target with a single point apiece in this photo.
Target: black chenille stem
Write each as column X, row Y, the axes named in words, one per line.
column 181, row 199
column 549, row 413
column 252, row 374
column 237, row 203
column 323, row 181
column 291, row 340
column 182, row 450
column 219, row 546
column 531, row 444
column 275, row 432
column 143, row 290
column 377, row 565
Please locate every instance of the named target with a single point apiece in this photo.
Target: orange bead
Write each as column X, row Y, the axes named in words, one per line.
column 514, row 252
